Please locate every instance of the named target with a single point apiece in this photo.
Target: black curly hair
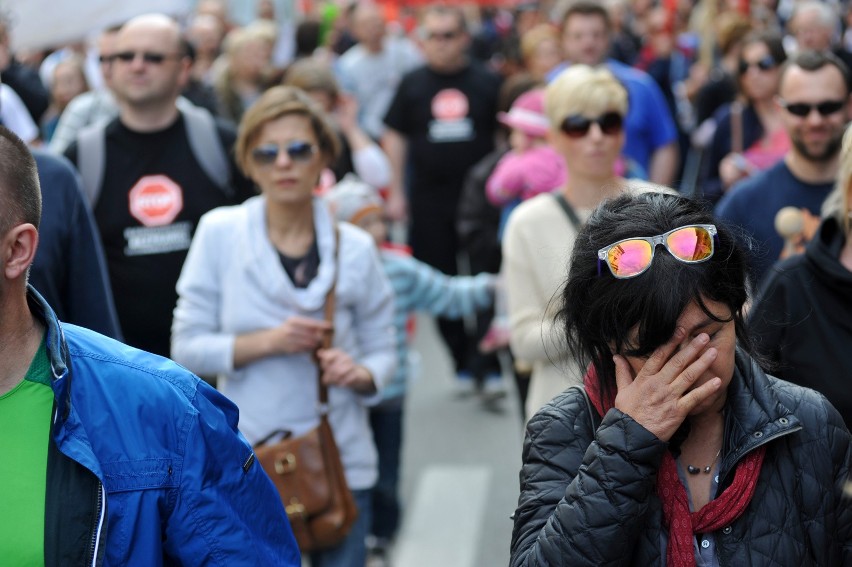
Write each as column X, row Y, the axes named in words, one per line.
column 601, row 315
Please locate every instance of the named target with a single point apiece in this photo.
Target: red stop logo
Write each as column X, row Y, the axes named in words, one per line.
column 155, row 200
column 449, row 105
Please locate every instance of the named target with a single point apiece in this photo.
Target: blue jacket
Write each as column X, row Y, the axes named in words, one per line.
column 420, row 287
column 146, row 466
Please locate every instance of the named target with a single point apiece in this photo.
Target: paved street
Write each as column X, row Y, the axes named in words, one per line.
column 460, row 469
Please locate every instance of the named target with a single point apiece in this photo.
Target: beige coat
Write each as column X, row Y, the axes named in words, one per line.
column 536, row 252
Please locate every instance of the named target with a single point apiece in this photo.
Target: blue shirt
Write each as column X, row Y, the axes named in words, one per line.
column 753, row 203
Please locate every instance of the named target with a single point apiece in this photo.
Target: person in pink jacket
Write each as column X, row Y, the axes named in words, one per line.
column 532, row 166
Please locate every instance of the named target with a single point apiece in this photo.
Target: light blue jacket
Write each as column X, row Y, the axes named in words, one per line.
column 146, row 466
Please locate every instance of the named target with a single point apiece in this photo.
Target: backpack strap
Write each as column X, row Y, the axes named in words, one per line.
column 206, row 146
column 91, row 160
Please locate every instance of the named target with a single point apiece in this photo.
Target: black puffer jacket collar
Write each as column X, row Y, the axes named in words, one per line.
column 754, row 414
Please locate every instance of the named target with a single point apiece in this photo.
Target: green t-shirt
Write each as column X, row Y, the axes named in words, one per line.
column 25, row 414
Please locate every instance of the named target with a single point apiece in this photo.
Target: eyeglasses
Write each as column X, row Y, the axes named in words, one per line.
column 803, row 109
column 147, row 56
column 443, row 36
column 105, row 58
column 296, row 151
column 577, row 125
column 628, row 258
column 764, row 64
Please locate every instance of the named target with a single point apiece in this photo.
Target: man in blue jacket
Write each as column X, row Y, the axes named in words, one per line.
column 111, row 455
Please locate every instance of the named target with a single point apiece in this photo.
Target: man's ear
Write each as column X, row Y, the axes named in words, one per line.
column 184, row 73
column 19, row 249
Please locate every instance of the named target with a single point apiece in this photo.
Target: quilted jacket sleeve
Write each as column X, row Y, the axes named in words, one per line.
column 584, row 494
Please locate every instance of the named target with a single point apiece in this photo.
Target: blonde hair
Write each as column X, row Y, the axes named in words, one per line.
column 581, row 89
column 535, row 37
column 274, row 104
column 836, row 204
column 312, row 75
column 256, row 31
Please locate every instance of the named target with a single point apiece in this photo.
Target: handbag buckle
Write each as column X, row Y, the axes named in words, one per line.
column 285, row 465
column 294, row 508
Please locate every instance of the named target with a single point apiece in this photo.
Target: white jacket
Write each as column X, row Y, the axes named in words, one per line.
column 233, row 283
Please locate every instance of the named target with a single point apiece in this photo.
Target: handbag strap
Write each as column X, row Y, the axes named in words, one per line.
column 736, row 127
column 569, row 210
column 328, row 336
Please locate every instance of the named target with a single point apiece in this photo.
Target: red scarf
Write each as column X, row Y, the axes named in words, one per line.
column 682, row 523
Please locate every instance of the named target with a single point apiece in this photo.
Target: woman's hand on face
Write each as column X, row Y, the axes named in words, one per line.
column 338, row 369
column 659, row 396
column 298, row 334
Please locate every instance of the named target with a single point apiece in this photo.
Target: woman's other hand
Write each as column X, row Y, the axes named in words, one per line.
column 659, row 397
column 338, row 369
column 298, row 334
column 733, row 168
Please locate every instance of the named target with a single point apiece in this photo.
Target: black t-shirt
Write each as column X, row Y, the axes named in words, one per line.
column 449, row 122
column 152, row 196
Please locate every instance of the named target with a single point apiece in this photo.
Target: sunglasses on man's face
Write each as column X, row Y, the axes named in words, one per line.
column 442, row 35
column 630, row 257
column 577, row 125
column 147, row 56
column 803, row 109
column 764, row 64
column 296, row 151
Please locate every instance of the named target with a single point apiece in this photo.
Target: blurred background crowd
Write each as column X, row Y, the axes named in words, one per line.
column 470, row 139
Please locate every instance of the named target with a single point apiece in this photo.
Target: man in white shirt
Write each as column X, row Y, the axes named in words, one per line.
column 372, row 69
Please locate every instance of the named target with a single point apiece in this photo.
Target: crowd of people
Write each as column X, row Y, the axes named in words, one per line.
column 641, row 204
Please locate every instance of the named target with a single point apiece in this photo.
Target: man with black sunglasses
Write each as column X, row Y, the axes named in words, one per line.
column 813, row 95
column 150, row 175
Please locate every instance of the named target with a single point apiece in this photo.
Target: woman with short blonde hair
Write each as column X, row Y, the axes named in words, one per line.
column 586, row 108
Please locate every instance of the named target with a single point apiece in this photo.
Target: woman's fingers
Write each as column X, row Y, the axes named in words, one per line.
column 691, row 373
column 660, row 357
column 682, row 359
column 691, row 400
column 623, row 373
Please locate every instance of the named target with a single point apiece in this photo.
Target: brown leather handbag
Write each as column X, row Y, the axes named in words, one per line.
column 308, row 473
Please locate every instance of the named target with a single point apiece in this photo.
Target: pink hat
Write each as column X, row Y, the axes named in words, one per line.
column 527, row 114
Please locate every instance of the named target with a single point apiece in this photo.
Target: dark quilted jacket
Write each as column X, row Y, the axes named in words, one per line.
column 588, row 497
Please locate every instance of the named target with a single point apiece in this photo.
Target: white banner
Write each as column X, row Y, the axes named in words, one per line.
column 40, row 24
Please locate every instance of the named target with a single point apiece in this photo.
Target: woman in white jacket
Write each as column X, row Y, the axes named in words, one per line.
column 251, row 296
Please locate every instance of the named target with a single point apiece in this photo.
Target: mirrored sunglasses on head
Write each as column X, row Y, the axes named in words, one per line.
column 631, row 257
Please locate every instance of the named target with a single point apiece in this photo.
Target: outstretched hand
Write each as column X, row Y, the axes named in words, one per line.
column 659, row 397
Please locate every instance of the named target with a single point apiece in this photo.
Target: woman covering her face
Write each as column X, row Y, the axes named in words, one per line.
column 684, row 452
